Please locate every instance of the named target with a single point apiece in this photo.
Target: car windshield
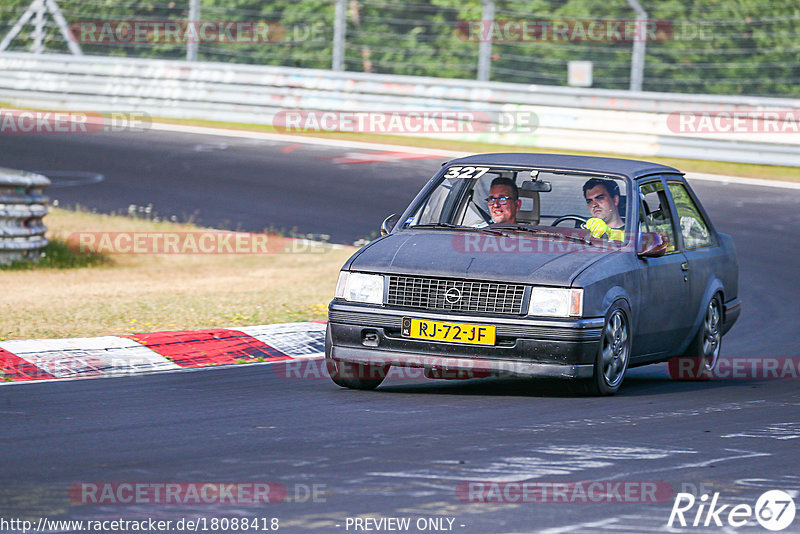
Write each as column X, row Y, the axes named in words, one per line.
column 548, row 201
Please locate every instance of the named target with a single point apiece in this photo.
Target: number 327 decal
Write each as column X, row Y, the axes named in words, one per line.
column 466, row 172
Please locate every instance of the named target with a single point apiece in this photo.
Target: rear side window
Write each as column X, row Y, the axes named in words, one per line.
column 693, row 227
column 654, row 215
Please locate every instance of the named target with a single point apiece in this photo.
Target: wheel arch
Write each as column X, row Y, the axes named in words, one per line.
column 617, row 294
column 714, row 287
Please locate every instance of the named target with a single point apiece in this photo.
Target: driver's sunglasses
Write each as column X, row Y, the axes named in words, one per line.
column 500, row 200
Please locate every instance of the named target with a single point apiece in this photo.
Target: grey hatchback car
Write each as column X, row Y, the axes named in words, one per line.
column 537, row 265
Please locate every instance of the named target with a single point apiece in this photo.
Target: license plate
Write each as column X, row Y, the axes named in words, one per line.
column 476, row 334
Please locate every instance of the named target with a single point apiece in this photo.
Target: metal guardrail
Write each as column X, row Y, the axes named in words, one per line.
column 596, row 120
column 22, row 207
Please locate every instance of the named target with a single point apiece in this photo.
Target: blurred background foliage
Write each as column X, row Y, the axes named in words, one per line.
column 731, row 47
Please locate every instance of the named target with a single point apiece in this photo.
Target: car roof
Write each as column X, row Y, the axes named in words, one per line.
column 630, row 168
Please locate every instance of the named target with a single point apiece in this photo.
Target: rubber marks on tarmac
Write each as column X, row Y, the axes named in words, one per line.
column 107, row 356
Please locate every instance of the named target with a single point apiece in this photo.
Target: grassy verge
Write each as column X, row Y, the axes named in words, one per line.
column 766, row 172
column 70, row 295
column 57, row 255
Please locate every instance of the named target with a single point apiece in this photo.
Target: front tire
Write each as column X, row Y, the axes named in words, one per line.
column 613, row 355
column 356, row 375
column 352, row 375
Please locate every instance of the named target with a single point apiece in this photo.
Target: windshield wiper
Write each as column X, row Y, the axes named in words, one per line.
column 538, row 231
column 458, row 227
column 436, row 225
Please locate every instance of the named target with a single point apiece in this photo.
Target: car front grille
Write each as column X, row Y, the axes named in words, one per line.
column 455, row 295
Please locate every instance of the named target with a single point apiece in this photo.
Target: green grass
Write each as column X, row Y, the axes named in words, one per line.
column 76, row 295
column 56, row 255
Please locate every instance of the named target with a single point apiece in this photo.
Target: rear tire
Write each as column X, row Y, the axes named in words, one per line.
column 700, row 359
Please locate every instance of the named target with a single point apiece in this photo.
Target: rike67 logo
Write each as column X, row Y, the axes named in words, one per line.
column 774, row 510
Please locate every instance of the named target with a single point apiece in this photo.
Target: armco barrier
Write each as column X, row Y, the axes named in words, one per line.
column 598, row 120
column 22, row 207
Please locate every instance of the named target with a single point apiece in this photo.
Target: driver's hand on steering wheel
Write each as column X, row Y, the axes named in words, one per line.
column 597, row 227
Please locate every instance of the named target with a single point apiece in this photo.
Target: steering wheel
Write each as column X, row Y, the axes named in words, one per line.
column 563, row 218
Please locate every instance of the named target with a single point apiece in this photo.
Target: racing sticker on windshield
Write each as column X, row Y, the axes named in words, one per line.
column 466, row 172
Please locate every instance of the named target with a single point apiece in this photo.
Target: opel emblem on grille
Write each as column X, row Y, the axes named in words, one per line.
column 452, row 295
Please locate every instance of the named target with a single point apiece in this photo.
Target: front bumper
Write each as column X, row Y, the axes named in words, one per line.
column 563, row 348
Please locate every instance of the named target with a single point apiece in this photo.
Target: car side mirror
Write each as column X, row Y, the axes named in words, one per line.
column 388, row 224
column 652, row 244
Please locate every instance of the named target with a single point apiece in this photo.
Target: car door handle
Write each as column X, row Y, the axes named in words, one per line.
column 685, row 266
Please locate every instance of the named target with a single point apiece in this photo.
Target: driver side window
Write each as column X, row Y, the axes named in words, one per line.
column 654, row 214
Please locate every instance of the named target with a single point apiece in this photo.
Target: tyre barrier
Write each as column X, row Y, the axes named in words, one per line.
column 22, row 207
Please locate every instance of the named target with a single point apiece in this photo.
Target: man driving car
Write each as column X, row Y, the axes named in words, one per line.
column 602, row 198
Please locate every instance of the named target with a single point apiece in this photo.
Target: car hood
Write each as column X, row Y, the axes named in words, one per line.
column 520, row 258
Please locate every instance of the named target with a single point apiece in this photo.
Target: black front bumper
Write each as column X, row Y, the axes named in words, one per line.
column 564, row 348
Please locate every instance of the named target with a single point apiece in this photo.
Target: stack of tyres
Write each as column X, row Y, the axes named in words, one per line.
column 22, row 208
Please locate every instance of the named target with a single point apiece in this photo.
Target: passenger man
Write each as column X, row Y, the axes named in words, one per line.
column 602, row 198
column 503, row 201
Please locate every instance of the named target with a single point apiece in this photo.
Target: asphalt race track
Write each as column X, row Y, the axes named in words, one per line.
column 408, row 449
column 223, row 182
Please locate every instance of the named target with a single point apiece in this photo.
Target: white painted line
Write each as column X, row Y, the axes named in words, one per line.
column 694, row 465
column 780, row 431
column 770, row 483
column 445, row 154
column 741, row 181
column 303, row 242
column 286, row 138
column 590, row 526
column 77, row 178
